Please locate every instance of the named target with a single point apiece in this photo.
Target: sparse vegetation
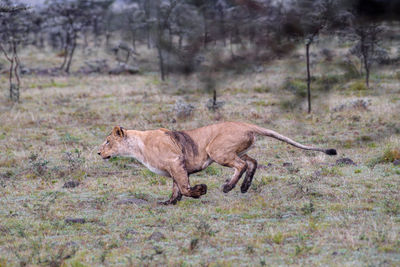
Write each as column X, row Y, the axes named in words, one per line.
column 273, row 218
column 62, row 205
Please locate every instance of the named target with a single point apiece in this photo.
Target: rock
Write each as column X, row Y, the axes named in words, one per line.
column 316, row 174
column 214, row 106
column 183, row 110
column 345, row 161
column 95, row 66
column 128, row 201
column 71, row 184
column 258, row 69
column 25, row 70
column 130, row 231
column 356, row 103
column 75, row 220
column 396, row 162
column 4, row 229
column 123, row 68
column 156, row 236
column 263, row 167
column 124, row 52
column 287, row 164
column 71, row 244
column 327, row 54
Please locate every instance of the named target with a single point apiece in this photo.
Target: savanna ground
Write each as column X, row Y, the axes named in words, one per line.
column 309, row 211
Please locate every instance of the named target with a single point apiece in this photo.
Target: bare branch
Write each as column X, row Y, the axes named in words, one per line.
column 4, row 52
column 11, row 9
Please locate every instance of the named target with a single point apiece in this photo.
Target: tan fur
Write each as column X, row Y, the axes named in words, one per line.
column 179, row 154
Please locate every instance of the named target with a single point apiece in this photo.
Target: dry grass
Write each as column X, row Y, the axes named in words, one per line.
column 312, row 213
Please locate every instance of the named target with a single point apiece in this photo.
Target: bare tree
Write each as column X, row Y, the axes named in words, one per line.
column 366, row 48
column 314, row 17
column 72, row 18
column 163, row 42
column 13, row 31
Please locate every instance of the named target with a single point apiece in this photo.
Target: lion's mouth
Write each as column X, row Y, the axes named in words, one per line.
column 108, row 157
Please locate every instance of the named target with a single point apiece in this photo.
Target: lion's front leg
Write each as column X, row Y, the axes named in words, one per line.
column 175, row 196
column 181, row 178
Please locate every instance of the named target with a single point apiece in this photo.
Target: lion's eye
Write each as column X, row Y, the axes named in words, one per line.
column 107, row 142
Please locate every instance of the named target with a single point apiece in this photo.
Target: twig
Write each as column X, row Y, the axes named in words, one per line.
column 4, row 52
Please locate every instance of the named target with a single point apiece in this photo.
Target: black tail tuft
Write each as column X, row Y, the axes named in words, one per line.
column 331, row 152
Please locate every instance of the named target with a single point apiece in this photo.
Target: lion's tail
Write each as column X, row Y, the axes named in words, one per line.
column 270, row 133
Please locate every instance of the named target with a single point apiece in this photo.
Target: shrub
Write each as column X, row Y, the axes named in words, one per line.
column 296, row 86
column 278, row 238
column 308, row 208
column 326, row 82
column 391, row 206
column 74, row 159
column 391, row 154
column 261, row 89
column 358, row 86
column 38, row 166
column 204, row 229
column 288, row 105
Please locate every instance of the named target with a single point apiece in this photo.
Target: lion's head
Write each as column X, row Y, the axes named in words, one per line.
column 114, row 144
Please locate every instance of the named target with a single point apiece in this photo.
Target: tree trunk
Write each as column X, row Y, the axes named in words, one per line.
column 148, row 37
column 215, row 97
column 65, row 58
column 161, row 62
column 231, row 45
column 10, row 78
column 205, row 30
column 14, row 87
column 222, row 25
column 365, row 56
column 108, row 37
column 71, row 54
column 367, row 76
column 14, row 64
column 134, row 39
column 66, row 45
column 308, row 76
column 146, row 8
column 366, row 66
column 180, row 41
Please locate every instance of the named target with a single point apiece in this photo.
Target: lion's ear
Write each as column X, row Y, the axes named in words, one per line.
column 119, row 131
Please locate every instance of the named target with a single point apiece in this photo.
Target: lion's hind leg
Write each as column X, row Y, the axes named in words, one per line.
column 232, row 161
column 251, row 170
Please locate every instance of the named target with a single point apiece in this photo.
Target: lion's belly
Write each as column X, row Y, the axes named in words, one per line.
column 156, row 171
column 198, row 165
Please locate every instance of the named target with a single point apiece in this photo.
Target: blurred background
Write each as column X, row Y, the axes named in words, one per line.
column 325, row 73
column 203, row 40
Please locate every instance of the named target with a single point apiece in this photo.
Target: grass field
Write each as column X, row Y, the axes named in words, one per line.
column 303, row 208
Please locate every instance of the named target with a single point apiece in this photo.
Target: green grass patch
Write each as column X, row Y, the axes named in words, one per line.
column 358, row 86
column 296, row 86
column 68, row 138
column 261, row 89
column 213, row 170
column 52, row 84
column 147, row 173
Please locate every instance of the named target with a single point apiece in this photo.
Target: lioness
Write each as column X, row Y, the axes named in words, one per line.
column 178, row 154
